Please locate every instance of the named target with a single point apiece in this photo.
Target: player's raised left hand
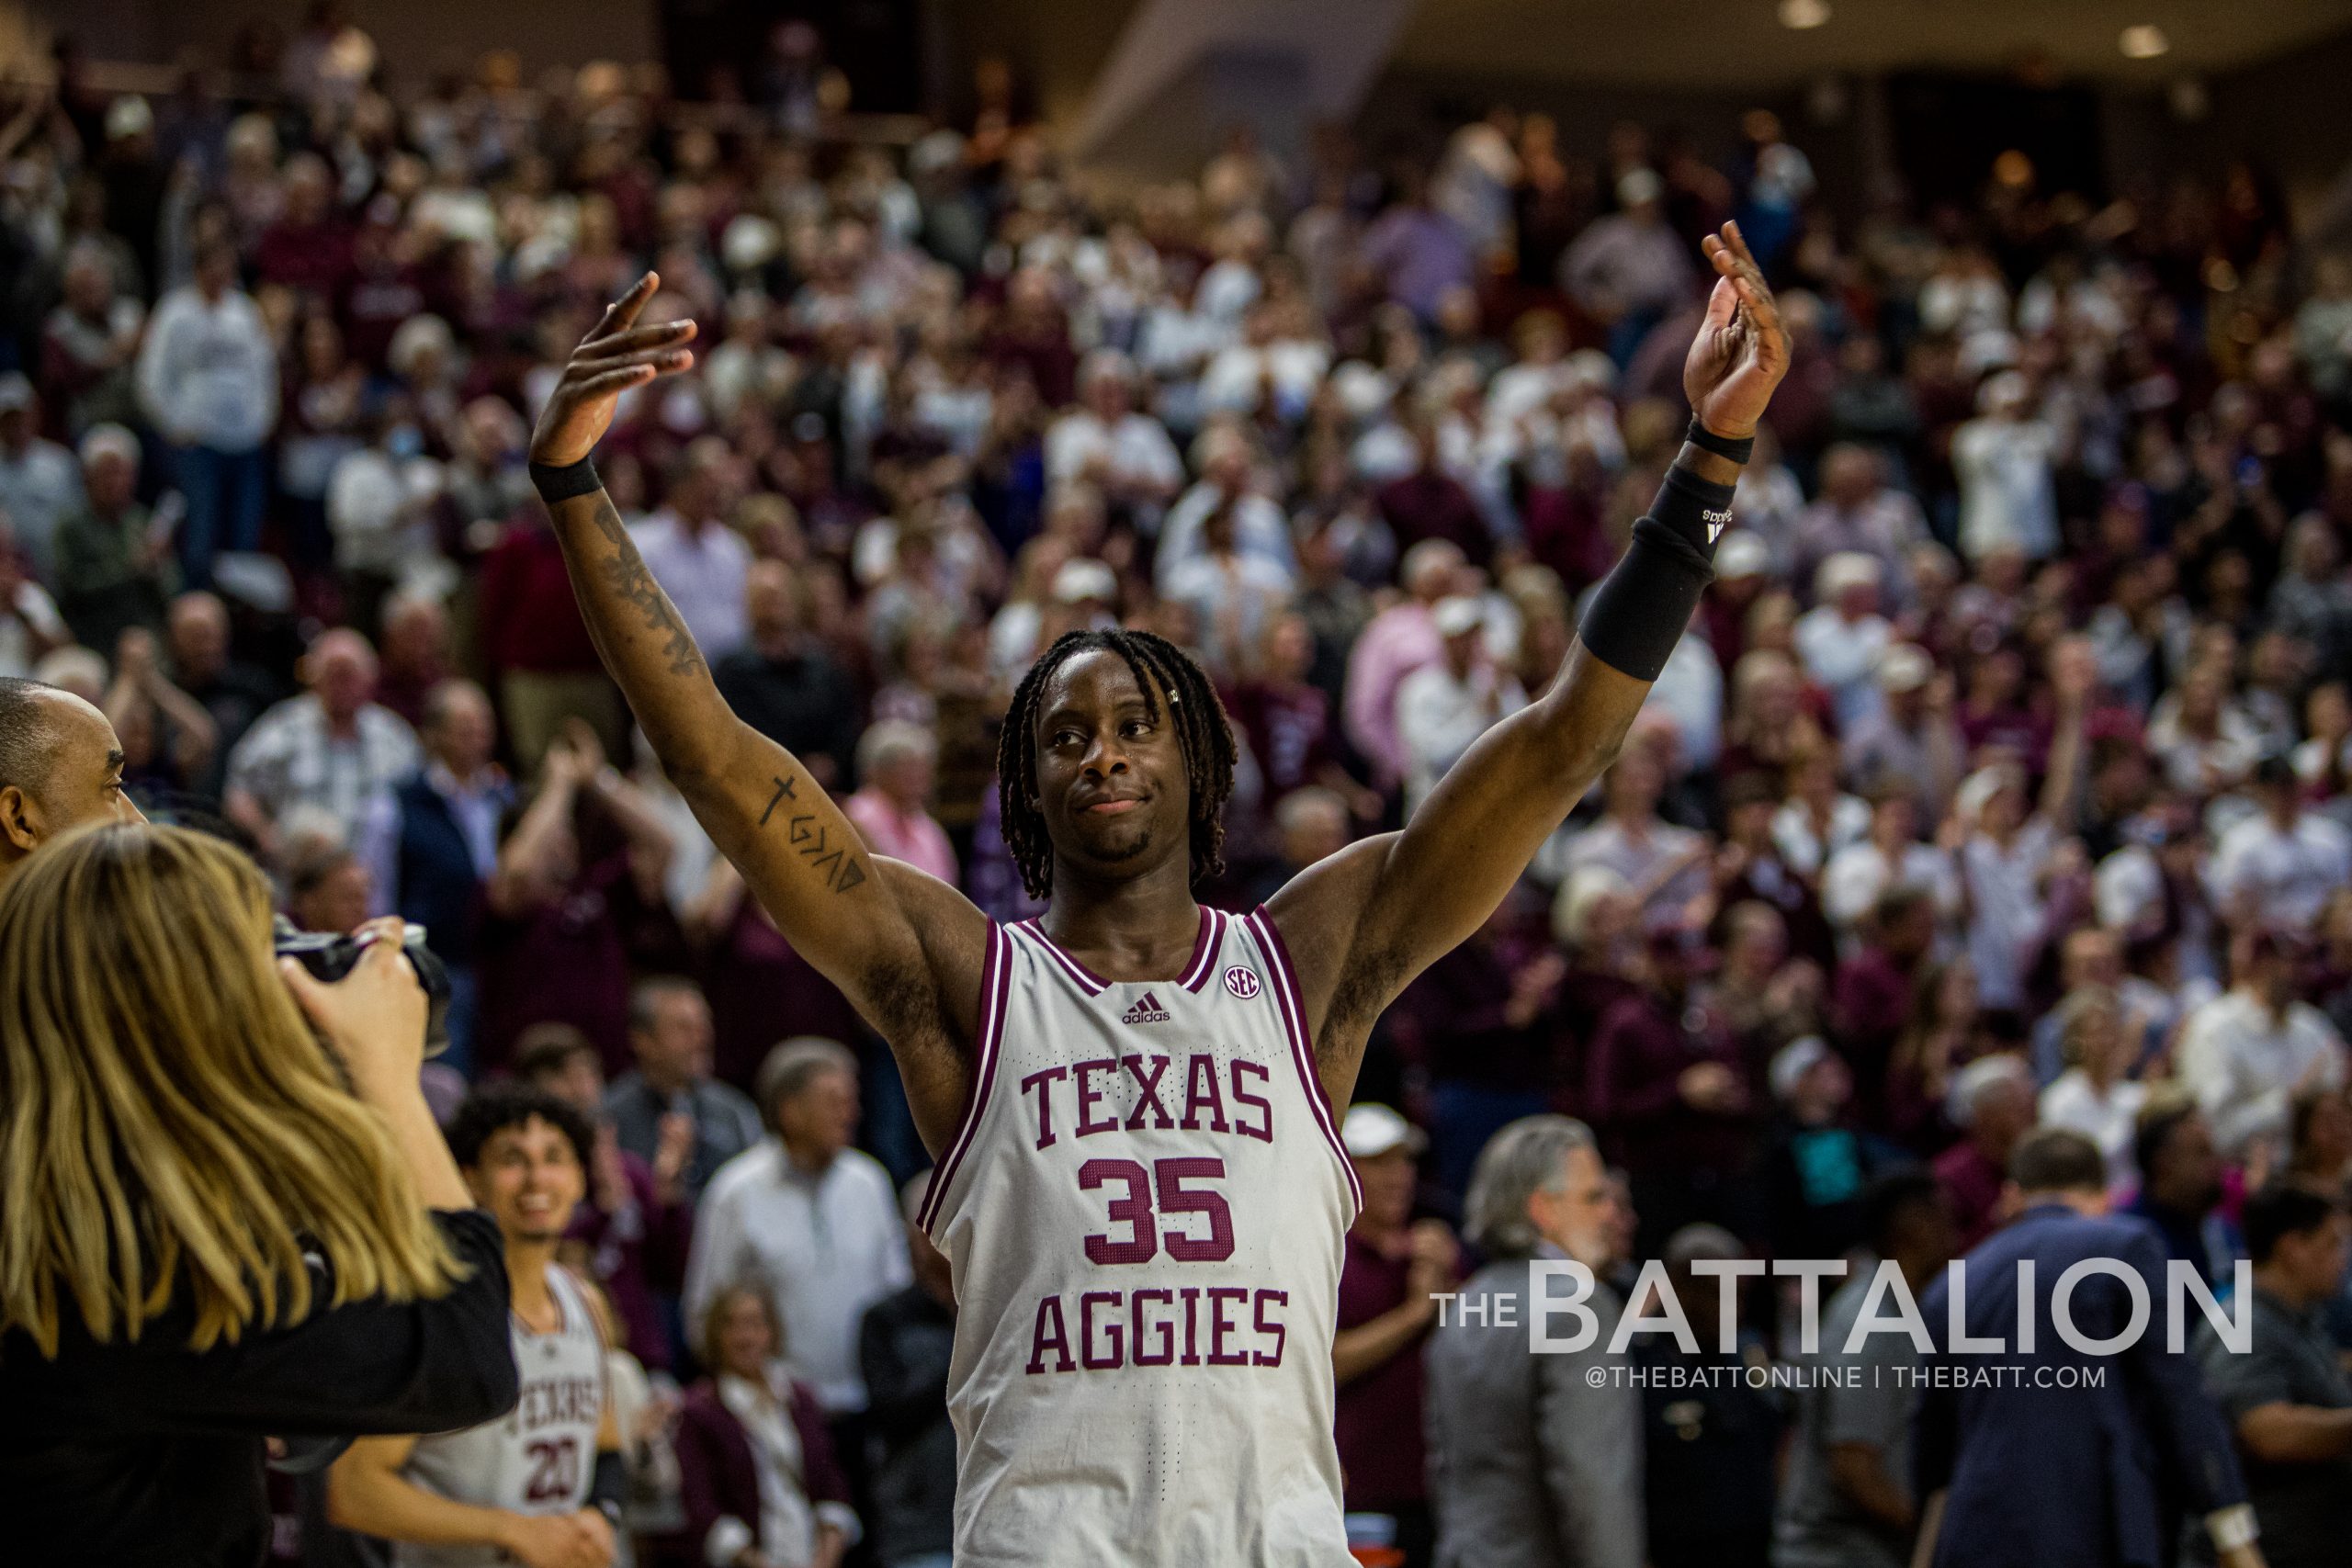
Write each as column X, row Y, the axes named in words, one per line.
column 616, row 355
column 1741, row 351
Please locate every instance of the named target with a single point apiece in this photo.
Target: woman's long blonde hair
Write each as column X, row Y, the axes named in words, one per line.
column 170, row 1131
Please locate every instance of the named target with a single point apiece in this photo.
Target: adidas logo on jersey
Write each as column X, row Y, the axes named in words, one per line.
column 1147, row 1010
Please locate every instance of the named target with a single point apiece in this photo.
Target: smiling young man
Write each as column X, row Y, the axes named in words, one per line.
column 1131, row 1097
column 542, row 1486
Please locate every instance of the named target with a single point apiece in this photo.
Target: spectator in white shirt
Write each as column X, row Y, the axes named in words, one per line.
column 31, row 626
column 2007, row 488
column 2008, row 850
column 1233, row 594
column 334, row 748
column 1843, row 639
column 805, row 1219
column 2282, row 864
column 1228, row 476
column 2096, row 1096
column 208, row 377
column 698, row 561
column 40, row 484
column 1443, row 708
column 1858, row 512
column 1911, row 742
column 1891, row 855
column 1126, row 455
column 1666, row 869
column 2248, row 1051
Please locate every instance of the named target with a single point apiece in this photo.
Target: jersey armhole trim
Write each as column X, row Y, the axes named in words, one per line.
column 1205, row 949
column 1293, row 1007
column 995, row 977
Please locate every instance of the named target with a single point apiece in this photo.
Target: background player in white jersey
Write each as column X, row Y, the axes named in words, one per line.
column 1115, row 762
column 542, row 1486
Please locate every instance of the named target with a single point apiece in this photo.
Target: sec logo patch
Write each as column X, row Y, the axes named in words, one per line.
column 1243, row 982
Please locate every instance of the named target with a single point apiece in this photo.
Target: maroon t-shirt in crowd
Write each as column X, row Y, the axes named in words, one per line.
column 529, row 618
column 1974, row 1184
column 566, row 963
column 1377, row 1417
column 762, row 991
column 1289, row 730
column 637, row 1254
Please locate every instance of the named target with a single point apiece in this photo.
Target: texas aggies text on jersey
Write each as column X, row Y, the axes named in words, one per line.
column 541, row 1457
column 1144, row 1207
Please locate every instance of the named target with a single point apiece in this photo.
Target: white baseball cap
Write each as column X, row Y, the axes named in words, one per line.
column 1371, row 1131
column 1457, row 615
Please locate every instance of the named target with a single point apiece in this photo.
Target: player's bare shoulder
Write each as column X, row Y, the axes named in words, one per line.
column 1347, row 971
column 927, row 1008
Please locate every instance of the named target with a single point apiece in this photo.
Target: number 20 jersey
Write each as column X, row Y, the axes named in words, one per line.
column 1144, row 1207
column 540, row 1458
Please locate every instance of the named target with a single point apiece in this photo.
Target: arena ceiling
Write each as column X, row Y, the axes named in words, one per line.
column 1720, row 43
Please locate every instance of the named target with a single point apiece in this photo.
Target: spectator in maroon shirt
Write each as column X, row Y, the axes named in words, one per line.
column 1597, row 923
column 383, row 288
column 1750, row 867
column 1873, row 1001
column 1288, row 721
column 1477, row 1020
column 761, row 989
column 536, row 644
column 413, row 653
column 1993, row 1100
column 1674, row 1097
column 1994, row 712
column 632, row 1231
column 576, row 895
column 1429, row 503
column 308, row 249
column 1033, row 333
column 1393, row 1266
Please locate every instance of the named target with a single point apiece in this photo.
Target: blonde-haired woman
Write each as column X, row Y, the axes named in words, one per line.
column 214, row 1228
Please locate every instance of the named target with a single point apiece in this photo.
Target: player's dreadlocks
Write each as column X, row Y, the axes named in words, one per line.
column 1202, row 733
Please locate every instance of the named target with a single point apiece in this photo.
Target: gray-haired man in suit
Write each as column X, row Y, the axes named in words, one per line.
column 1531, row 1464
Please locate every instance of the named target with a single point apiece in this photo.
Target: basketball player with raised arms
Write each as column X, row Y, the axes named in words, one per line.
column 541, row 1486
column 1133, row 1100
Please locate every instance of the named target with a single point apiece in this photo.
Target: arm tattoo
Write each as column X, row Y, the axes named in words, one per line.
column 783, row 792
column 625, row 575
column 834, row 864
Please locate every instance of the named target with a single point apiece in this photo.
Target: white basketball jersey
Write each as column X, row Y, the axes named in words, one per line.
column 541, row 1457
column 1144, row 1207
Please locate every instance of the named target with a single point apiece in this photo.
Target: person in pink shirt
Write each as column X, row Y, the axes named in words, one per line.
column 1399, row 640
column 896, row 765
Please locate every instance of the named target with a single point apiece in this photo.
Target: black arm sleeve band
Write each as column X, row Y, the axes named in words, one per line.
column 608, row 1485
column 1643, row 606
column 563, row 483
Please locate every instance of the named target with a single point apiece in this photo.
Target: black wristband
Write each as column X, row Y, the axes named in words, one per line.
column 1706, row 440
column 564, row 483
column 608, row 1485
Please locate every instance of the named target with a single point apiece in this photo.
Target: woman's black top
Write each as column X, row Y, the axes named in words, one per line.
column 149, row 1455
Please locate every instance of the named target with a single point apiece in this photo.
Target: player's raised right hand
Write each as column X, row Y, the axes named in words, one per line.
column 616, row 356
column 556, row 1540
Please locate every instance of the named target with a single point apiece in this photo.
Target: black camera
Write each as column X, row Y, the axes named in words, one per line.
column 329, row 956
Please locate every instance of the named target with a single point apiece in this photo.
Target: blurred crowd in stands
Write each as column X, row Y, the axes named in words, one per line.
column 2001, row 779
